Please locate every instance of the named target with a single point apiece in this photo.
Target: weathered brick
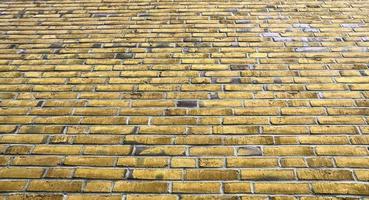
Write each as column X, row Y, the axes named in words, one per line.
column 133, row 186
column 142, row 162
column 198, row 174
column 212, row 151
column 21, row 172
column 12, row 185
column 282, row 188
column 98, row 186
column 55, row 186
column 191, row 187
column 312, row 174
column 107, row 150
column 341, row 188
column 252, row 162
column 289, row 151
column 102, row 173
column 183, row 162
column 237, row 187
column 158, row 174
column 94, row 197
column 150, row 197
column 267, row 175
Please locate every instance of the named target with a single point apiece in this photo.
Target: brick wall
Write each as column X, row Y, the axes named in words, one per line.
column 184, row 100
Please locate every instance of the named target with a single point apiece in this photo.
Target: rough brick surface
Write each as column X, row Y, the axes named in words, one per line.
column 184, row 99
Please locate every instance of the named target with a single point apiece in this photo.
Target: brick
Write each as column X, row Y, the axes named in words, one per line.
column 21, row 172
column 98, row 186
column 323, row 140
column 183, row 162
column 356, row 162
column 188, row 103
column 59, row 173
column 99, row 173
column 312, row 174
column 89, row 161
column 12, row 185
column 282, row 188
column 93, row 197
column 303, row 111
column 149, row 187
column 319, row 162
column 211, row 174
column 19, row 139
column 35, row 196
column 336, row 150
column 190, row 187
column 252, row 162
column 267, row 175
column 198, row 139
column 150, row 197
column 285, row 130
column 38, row 160
column 142, row 162
column 288, row 151
column 107, row 150
column 157, row 174
column 341, row 188
column 235, row 130
column 249, row 151
column 211, row 151
column 159, row 150
column 237, row 187
column 362, row 175
column 55, row 186
column 208, row 196
column 293, row 162
column 211, row 162
column 59, row 150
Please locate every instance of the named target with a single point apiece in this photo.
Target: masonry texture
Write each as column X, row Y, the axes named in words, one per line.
column 184, row 100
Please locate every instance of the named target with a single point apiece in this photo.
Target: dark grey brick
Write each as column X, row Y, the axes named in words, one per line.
column 187, row 103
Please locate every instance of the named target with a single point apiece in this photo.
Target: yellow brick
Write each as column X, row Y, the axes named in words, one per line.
column 107, row 150
column 18, row 172
column 183, row 162
column 158, row 174
column 211, row 162
column 99, row 173
column 282, row 188
column 12, row 185
column 147, row 187
column 341, row 188
column 267, row 174
column 252, row 162
column 151, row 197
column 237, row 187
column 288, row 151
column 198, row 174
column 142, row 162
column 55, row 186
column 191, row 187
column 212, row 151
column 98, row 186
column 311, row 174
